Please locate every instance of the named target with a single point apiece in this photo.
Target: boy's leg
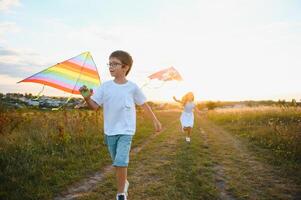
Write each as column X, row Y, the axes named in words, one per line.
column 121, row 175
column 121, row 160
column 111, row 142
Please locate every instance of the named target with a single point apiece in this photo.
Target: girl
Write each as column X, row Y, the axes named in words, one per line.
column 187, row 117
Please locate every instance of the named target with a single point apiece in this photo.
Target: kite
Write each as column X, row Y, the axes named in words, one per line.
column 169, row 74
column 69, row 75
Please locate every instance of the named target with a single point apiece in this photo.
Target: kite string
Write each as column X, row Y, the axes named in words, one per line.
column 80, row 72
column 39, row 94
column 58, row 108
column 163, row 83
column 145, row 84
column 155, row 87
column 74, row 85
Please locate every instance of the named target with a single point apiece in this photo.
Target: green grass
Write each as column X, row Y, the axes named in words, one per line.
column 166, row 168
column 242, row 170
column 45, row 151
column 274, row 133
column 41, row 153
column 272, row 128
column 193, row 171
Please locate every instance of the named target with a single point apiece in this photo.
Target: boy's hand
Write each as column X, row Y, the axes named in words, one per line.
column 157, row 125
column 85, row 92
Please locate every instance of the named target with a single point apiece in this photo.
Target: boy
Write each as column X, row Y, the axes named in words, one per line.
column 118, row 98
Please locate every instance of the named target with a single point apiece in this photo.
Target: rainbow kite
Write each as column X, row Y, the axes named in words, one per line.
column 69, row 75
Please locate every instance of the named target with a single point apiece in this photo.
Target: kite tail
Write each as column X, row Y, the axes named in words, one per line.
column 39, row 94
column 60, row 107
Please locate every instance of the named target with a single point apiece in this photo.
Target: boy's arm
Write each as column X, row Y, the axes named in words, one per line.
column 156, row 122
column 86, row 93
column 91, row 104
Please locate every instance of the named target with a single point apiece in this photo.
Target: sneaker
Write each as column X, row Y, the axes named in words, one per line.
column 126, row 187
column 121, row 196
column 188, row 140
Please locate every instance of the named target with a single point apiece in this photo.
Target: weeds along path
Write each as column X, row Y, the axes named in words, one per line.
column 215, row 165
column 167, row 168
column 86, row 185
column 239, row 174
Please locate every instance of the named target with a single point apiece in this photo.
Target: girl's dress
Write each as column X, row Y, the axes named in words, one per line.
column 187, row 116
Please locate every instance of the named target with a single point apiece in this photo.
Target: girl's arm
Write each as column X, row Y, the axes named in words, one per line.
column 174, row 98
column 197, row 111
column 150, row 113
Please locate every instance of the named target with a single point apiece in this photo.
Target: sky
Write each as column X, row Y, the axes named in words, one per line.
column 224, row 49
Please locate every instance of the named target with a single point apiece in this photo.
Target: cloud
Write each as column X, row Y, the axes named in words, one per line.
column 18, row 69
column 8, row 80
column 5, row 28
column 20, row 62
column 222, row 48
column 7, row 52
column 6, row 5
column 9, row 84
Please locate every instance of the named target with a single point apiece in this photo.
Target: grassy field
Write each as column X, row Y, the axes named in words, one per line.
column 43, row 152
column 167, row 168
column 276, row 130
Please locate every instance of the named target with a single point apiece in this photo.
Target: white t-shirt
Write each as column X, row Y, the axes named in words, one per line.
column 118, row 102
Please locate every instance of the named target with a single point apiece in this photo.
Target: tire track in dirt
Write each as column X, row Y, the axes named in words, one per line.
column 171, row 168
column 143, row 177
column 239, row 173
column 83, row 187
column 219, row 177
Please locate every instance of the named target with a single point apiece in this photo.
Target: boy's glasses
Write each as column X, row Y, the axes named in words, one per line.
column 114, row 64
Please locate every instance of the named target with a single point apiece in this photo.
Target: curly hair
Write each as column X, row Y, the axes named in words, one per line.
column 187, row 97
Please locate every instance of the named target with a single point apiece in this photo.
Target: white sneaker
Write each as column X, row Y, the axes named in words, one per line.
column 121, row 196
column 126, row 187
column 187, row 139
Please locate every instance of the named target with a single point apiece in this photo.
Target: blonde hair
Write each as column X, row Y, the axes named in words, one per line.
column 187, row 97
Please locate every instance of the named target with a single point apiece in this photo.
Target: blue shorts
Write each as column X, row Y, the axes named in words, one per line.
column 119, row 147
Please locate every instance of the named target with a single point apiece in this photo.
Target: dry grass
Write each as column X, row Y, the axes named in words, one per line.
column 274, row 128
column 42, row 153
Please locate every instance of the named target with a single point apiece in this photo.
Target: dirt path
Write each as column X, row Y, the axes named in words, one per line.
column 166, row 168
column 215, row 165
column 83, row 187
column 239, row 173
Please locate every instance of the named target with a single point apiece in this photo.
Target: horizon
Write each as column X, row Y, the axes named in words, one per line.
column 226, row 51
column 171, row 101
